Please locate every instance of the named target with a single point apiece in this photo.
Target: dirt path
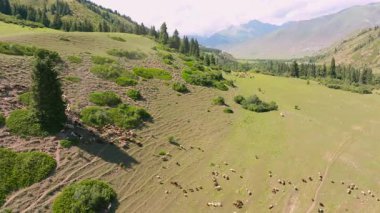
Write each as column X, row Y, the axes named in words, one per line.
column 334, row 158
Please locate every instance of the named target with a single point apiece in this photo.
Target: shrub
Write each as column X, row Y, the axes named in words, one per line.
column 16, row 49
column 26, row 99
column 101, row 60
column 25, row 123
column 218, row 101
column 253, row 103
column 118, row 38
column 2, row 120
column 228, row 110
column 162, row 153
column 74, row 59
column 67, row 143
column 125, row 81
column 134, row 94
column 128, row 117
column 107, row 71
column 150, row 73
column 239, row 99
column 84, row 196
column 180, row 87
column 107, row 98
column 123, row 116
column 73, row 79
column 126, row 54
column 205, row 78
column 95, row 116
column 19, row 170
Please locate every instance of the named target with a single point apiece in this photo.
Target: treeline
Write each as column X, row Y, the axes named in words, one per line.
column 186, row 45
column 345, row 73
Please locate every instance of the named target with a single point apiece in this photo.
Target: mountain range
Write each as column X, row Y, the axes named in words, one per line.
column 293, row 39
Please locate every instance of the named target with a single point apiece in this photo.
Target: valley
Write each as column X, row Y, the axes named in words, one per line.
column 199, row 148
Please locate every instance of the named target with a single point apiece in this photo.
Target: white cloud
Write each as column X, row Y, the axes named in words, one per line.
column 208, row 16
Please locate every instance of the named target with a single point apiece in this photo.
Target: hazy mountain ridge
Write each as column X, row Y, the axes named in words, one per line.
column 237, row 34
column 300, row 38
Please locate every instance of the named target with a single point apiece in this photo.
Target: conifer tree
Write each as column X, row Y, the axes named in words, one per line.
column 332, row 73
column 46, row 92
column 5, row 7
column 164, row 37
column 185, row 46
column 295, row 69
column 175, row 41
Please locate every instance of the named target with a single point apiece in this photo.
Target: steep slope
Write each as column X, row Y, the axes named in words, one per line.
column 301, row 38
column 360, row 50
column 80, row 12
column 236, row 34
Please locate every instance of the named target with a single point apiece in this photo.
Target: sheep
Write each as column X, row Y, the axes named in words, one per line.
column 303, row 180
column 282, row 114
column 271, row 207
column 218, row 188
column 233, row 170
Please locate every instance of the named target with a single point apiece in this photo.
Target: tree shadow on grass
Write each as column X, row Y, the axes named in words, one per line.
column 92, row 143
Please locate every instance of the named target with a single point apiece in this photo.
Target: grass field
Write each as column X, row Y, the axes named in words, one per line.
column 333, row 132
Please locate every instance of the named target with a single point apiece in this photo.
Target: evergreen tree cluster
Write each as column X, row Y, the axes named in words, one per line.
column 346, row 73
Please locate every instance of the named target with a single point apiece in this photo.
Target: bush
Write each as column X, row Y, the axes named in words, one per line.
column 73, row 79
column 25, row 123
column 135, row 55
column 218, row 101
column 123, row 116
column 162, row 153
column 19, row 170
column 180, row 87
column 67, row 143
column 102, row 60
column 118, row 38
column 150, row 73
column 107, row 71
column 253, row 103
column 74, row 59
column 16, row 49
column 95, row 116
column 125, row 81
column 84, row 196
column 239, row 99
column 107, row 98
column 228, row 110
column 205, row 78
column 134, row 94
column 2, row 120
column 26, row 99
column 128, row 117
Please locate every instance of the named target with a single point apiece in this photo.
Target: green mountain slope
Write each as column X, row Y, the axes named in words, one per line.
column 360, row 50
column 72, row 15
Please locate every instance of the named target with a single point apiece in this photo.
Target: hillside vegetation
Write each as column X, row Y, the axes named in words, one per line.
column 360, row 50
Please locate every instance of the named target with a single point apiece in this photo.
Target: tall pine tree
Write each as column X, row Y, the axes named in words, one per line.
column 46, row 92
column 164, row 36
column 175, row 41
column 332, row 72
column 5, row 7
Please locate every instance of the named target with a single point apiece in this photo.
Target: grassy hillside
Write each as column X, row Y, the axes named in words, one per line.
column 296, row 39
column 168, row 165
column 360, row 50
column 81, row 12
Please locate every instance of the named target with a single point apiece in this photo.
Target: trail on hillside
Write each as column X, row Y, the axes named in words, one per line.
column 334, row 158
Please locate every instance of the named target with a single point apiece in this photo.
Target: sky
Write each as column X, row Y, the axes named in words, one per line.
column 204, row 17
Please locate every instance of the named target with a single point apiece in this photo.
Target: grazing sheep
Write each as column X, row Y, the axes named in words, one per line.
column 249, row 193
column 296, row 188
column 310, row 178
column 349, row 191
column 282, row 114
column 321, row 204
column 320, row 211
column 233, row 170
column 167, row 192
column 218, row 188
column 303, row 180
column 271, row 207
column 238, row 204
